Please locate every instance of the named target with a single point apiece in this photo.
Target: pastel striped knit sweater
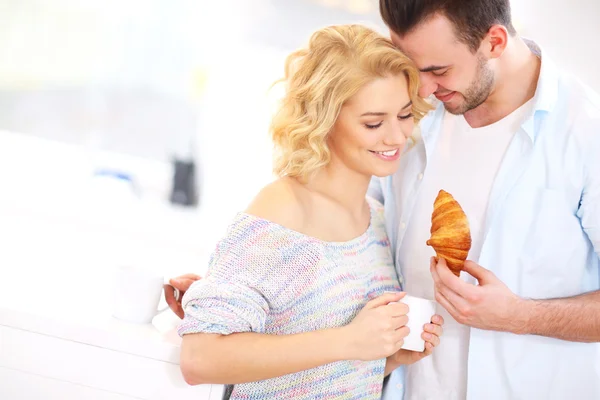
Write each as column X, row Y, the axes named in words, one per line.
column 268, row 279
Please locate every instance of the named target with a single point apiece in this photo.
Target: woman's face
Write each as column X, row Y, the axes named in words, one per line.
column 371, row 130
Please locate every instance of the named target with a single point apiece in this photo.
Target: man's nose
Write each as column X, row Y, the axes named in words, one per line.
column 427, row 87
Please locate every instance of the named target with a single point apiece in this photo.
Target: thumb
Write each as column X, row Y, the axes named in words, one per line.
column 385, row 299
column 478, row 272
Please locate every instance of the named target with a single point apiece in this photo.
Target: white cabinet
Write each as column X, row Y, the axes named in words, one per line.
column 17, row 385
column 36, row 366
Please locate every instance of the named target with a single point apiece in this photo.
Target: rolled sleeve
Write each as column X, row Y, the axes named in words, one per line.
column 223, row 307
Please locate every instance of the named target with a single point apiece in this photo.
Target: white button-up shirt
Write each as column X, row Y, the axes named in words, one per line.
column 541, row 238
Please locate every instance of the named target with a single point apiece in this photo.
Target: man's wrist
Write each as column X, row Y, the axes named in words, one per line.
column 522, row 322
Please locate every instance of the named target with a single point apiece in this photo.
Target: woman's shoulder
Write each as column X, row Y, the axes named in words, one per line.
column 280, row 202
column 264, row 238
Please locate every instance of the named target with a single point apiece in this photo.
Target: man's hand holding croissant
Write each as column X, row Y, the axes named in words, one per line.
column 490, row 305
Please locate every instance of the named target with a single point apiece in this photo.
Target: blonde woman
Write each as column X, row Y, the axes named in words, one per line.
column 294, row 305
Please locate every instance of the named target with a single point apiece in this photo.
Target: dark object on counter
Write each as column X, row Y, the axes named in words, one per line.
column 184, row 191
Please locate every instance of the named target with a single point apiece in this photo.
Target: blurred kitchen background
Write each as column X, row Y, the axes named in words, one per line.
column 131, row 131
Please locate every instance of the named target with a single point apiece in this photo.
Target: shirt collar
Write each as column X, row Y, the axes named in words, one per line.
column 544, row 99
column 546, row 93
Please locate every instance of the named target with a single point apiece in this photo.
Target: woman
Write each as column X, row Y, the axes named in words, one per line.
column 294, row 304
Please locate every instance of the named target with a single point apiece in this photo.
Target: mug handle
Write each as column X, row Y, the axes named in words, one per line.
column 177, row 295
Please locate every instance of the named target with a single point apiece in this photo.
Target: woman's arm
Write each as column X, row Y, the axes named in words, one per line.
column 376, row 332
column 248, row 357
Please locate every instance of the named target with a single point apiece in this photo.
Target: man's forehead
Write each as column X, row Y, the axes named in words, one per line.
column 427, row 50
column 434, row 33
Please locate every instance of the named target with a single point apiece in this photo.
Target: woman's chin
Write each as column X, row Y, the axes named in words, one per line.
column 382, row 173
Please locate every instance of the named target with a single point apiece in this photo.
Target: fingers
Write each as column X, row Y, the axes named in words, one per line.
column 478, row 272
column 458, row 302
column 193, row 277
column 446, row 304
column 431, row 334
column 399, row 344
column 384, row 299
column 173, row 304
column 433, row 329
column 402, row 332
column 442, row 276
column 399, row 322
column 184, row 282
column 437, row 319
column 428, row 350
column 396, row 309
column 452, row 289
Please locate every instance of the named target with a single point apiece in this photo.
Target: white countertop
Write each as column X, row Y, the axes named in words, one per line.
column 58, row 250
column 72, row 301
column 57, row 280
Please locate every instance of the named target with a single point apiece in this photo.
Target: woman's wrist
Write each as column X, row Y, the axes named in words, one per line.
column 340, row 344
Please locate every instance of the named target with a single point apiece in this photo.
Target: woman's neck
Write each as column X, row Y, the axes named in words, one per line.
column 342, row 186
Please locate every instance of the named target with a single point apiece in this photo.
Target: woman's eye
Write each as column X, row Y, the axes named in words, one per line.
column 407, row 116
column 375, row 126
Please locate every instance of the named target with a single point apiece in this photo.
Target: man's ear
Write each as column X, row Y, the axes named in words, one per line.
column 495, row 42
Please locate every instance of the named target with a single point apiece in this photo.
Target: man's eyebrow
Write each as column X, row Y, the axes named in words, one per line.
column 434, row 68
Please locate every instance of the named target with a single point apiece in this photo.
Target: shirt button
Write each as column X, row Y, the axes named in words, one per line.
column 399, row 386
column 420, row 176
column 402, row 225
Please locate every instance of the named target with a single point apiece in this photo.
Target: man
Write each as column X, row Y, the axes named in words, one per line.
column 518, row 145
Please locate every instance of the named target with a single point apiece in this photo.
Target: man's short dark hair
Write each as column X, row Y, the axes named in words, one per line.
column 472, row 19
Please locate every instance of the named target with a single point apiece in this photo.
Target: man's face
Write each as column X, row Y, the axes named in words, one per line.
column 449, row 69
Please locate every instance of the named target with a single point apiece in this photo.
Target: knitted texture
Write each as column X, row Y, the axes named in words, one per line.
column 268, row 279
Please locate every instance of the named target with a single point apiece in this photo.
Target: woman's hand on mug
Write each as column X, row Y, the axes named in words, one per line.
column 431, row 335
column 378, row 330
column 182, row 284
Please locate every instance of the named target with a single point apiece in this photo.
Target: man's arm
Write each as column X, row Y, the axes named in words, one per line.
column 576, row 319
column 492, row 306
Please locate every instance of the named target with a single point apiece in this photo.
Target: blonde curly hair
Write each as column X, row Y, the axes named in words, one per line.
column 337, row 63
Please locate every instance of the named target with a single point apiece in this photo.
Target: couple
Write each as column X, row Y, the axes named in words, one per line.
column 513, row 139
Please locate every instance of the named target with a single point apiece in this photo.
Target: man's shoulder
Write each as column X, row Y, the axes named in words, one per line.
column 578, row 98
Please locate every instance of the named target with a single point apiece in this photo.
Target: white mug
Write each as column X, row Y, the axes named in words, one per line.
column 420, row 312
column 136, row 294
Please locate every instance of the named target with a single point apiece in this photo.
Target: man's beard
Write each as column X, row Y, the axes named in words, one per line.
column 478, row 91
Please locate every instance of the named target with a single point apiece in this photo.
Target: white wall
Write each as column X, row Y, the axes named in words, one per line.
column 567, row 30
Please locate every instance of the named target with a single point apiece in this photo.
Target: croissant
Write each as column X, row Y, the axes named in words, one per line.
column 450, row 233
